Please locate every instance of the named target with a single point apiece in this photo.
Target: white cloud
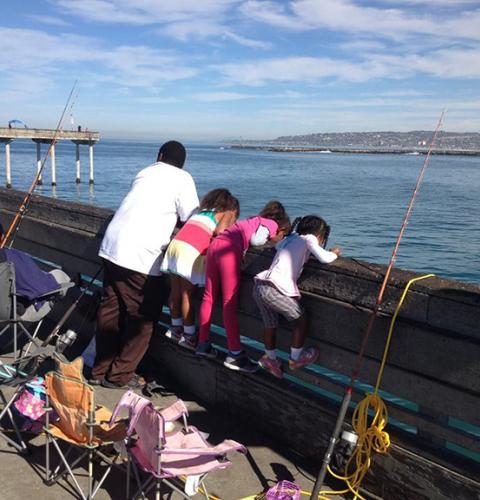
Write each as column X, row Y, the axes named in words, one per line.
column 353, row 17
column 146, row 11
column 203, row 29
column 181, row 19
column 273, row 13
column 400, row 93
column 239, row 96
column 156, row 100
column 185, row 30
column 50, row 57
column 247, row 42
column 307, row 69
column 221, row 96
column 362, row 45
column 428, row 3
column 448, row 63
column 54, row 21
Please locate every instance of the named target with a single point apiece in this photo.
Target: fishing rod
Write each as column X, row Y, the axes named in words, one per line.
column 22, row 210
column 373, row 315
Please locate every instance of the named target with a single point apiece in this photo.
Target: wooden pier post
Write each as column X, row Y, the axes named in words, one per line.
column 77, row 163
column 90, row 156
column 54, row 166
column 8, row 167
column 39, row 162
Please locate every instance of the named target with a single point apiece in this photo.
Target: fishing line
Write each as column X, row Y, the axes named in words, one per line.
column 373, row 315
column 22, row 210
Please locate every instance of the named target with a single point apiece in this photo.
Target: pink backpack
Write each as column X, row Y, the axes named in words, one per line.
column 284, row 490
column 29, row 405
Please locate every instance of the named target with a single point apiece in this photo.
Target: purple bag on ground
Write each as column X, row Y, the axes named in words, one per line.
column 284, row 490
column 29, row 406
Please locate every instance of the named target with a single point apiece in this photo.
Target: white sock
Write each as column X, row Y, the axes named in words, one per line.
column 177, row 321
column 189, row 330
column 295, row 353
column 271, row 353
column 235, row 353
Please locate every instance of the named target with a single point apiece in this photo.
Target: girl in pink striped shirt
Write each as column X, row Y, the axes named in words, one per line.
column 184, row 259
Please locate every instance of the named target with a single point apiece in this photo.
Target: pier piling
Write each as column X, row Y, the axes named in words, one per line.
column 8, row 167
column 39, row 161
column 77, row 163
column 54, row 166
column 90, row 156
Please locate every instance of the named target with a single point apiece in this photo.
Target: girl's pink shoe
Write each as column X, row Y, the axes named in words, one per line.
column 308, row 356
column 271, row 365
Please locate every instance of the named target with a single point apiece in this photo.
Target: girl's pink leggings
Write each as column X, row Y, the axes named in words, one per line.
column 222, row 271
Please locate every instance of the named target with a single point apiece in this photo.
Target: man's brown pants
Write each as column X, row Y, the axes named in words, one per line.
column 126, row 318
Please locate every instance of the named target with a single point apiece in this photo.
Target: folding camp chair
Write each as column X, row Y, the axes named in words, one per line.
column 34, row 313
column 81, row 424
column 166, row 453
column 10, row 376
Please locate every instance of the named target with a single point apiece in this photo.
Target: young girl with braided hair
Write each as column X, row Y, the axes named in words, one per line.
column 276, row 291
column 184, row 259
column 224, row 258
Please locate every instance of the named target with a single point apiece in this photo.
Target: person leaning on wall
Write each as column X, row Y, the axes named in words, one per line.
column 132, row 251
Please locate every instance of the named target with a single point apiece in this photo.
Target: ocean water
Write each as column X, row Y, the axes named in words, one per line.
column 363, row 197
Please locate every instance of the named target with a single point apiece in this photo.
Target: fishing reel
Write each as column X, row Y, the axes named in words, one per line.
column 65, row 340
column 343, row 451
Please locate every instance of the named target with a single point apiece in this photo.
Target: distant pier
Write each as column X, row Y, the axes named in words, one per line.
column 45, row 136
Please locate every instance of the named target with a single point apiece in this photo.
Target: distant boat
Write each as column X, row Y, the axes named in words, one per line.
column 221, row 147
column 325, row 151
column 413, row 153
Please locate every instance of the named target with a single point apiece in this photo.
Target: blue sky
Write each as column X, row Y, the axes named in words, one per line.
column 215, row 69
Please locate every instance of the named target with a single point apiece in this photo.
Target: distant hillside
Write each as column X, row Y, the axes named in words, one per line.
column 416, row 139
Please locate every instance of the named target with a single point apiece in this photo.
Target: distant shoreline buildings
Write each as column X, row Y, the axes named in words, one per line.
column 416, row 141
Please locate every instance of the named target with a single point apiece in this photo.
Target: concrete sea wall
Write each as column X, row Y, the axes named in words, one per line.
column 431, row 381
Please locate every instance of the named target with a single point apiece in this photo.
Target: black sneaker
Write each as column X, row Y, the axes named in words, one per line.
column 136, row 382
column 206, row 350
column 188, row 341
column 241, row 362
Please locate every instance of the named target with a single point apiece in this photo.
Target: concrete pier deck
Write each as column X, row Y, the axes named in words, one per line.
column 40, row 134
column 263, row 466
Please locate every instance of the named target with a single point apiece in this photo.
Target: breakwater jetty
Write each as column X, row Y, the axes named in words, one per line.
column 378, row 151
column 45, row 136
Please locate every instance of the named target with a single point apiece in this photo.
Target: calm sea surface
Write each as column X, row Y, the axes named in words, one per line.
column 363, row 197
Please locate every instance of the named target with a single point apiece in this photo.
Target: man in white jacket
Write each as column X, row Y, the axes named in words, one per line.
column 132, row 251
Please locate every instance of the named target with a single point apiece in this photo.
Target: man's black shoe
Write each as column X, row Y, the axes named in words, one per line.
column 136, row 382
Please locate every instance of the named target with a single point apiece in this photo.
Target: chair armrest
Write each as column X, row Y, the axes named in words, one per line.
column 174, row 411
column 218, row 450
column 61, row 288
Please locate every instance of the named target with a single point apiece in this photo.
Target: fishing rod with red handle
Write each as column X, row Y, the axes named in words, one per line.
column 22, row 210
column 373, row 316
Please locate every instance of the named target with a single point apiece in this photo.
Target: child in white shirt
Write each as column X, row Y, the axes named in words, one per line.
column 276, row 291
